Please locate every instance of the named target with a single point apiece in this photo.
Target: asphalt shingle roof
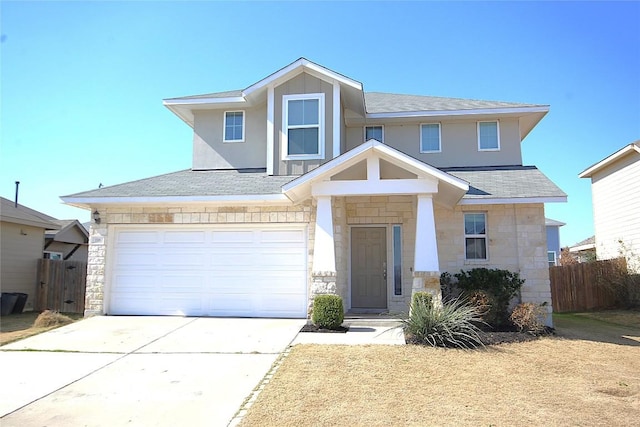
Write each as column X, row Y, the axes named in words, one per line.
column 378, row 102
column 24, row 215
column 189, row 182
column 485, row 182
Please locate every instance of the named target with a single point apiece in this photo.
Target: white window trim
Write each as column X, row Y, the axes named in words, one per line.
column 484, row 236
column 285, row 126
column 497, row 122
column 555, row 258
column 364, row 131
column 224, row 126
column 439, row 150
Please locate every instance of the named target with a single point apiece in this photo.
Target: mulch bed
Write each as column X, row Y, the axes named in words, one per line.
column 314, row 328
column 506, row 336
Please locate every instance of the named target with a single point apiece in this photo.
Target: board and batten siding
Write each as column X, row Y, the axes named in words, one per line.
column 20, row 249
column 616, row 208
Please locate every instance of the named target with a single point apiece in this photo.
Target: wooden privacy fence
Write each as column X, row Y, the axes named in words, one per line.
column 585, row 286
column 61, row 285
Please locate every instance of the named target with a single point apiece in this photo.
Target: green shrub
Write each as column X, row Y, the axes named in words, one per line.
column 451, row 325
column 422, row 297
column 328, row 311
column 529, row 317
column 501, row 285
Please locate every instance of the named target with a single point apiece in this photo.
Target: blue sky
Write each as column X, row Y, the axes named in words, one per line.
column 82, row 83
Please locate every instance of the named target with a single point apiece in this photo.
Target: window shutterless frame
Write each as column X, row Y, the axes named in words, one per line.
column 488, row 135
column 430, row 138
column 374, row 132
column 475, row 236
column 233, row 126
column 303, row 126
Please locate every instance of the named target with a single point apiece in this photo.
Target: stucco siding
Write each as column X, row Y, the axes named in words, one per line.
column 616, row 209
column 20, row 248
column 302, row 84
column 209, row 150
column 458, row 139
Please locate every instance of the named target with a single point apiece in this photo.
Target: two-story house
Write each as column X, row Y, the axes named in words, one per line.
column 302, row 184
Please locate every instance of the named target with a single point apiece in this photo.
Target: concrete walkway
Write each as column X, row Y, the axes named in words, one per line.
column 362, row 331
column 161, row 371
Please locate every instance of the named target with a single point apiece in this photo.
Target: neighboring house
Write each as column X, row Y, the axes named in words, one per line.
column 553, row 241
column 21, row 244
column 616, row 204
column 69, row 243
column 585, row 250
column 304, row 184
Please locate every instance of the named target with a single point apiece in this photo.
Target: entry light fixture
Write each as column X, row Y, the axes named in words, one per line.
column 96, row 216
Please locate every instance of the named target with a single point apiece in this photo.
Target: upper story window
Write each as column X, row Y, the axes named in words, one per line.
column 303, row 125
column 233, row 126
column 475, row 236
column 488, row 136
column 374, row 132
column 430, row 138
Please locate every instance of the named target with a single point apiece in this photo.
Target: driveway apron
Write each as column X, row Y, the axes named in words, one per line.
column 160, row 371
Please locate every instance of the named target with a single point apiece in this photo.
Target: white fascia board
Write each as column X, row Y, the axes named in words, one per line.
column 439, row 113
column 587, row 173
column 298, row 67
column 203, row 101
column 259, row 199
column 512, row 200
column 384, row 186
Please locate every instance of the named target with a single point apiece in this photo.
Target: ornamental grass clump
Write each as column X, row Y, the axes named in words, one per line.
column 452, row 324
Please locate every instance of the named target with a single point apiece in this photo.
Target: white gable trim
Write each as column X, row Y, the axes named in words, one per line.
column 587, row 173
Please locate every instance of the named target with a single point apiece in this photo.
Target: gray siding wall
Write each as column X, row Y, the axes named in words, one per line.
column 459, row 142
column 20, row 248
column 303, row 83
column 209, row 152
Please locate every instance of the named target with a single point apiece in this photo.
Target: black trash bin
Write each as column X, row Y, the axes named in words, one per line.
column 7, row 302
column 20, row 302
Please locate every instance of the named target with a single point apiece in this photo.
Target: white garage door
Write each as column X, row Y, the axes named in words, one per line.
column 245, row 272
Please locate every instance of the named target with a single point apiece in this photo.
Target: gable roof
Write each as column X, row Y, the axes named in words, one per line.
column 584, row 245
column 65, row 225
column 371, row 105
column 24, row 215
column 634, row 147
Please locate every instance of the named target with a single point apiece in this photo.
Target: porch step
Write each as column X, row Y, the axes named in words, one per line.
column 371, row 320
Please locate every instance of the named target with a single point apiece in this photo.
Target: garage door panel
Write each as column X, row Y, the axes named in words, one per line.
column 216, row 272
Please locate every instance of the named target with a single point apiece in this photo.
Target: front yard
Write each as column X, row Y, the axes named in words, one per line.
column 550, row 381
column 15, row 327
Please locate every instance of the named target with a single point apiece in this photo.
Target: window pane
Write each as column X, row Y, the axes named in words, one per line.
column 233, row 126
column 303, row 141
column 474, row 223
column 373, row 132
column 303, row 112
column 430, row 137
column 397, row 260
column 476, row 248
column 488, row 135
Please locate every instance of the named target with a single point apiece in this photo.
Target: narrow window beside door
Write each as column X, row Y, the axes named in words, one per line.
column 397, row 260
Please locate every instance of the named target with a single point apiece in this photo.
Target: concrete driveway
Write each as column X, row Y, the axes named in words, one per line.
column 160, row 371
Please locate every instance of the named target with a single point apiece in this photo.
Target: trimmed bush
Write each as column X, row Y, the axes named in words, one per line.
column 328, row 311
column 501, row 285
column 422, row 297
column 451, row 325
column 529, row 317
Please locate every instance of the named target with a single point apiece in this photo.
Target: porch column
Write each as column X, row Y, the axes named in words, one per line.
column 426, row 272
column 323, row 272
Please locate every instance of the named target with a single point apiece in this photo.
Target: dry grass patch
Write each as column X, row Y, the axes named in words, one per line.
column 619, row 317
column 550, row 381
column 19, row 326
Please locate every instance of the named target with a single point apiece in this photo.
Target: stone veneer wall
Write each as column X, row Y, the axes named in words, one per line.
column 377, row 210
column 302, row 214
column 517, row 242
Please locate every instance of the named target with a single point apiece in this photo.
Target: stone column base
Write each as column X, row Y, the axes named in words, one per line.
column 322, row 282
column 428, row 281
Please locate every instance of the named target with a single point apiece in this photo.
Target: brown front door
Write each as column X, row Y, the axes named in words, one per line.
column 368, row 268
